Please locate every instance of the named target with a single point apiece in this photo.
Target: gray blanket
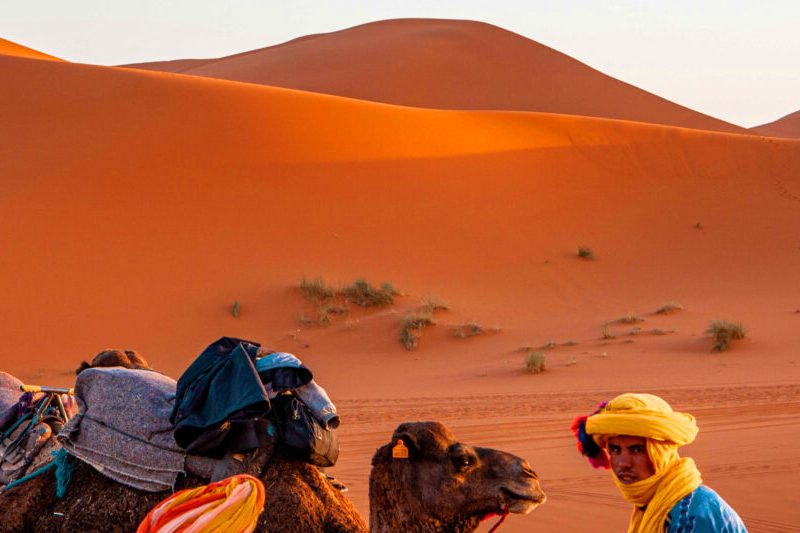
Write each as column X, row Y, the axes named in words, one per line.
column 9, row 395
column 123, row 428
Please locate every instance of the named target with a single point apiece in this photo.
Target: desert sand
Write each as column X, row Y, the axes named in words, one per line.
column 14, row 49
column 138, row 206
column 788, row 126
column 444, row 64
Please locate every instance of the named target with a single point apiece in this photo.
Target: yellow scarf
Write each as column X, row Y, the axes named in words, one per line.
column 675, row 477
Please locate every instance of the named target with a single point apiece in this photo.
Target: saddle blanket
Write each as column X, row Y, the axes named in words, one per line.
column 123, row 430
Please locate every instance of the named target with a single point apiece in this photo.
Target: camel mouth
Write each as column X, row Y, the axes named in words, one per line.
column 522, row 503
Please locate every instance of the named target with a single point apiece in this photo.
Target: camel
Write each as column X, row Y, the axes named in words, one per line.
column 442, row 485
column 124, row 358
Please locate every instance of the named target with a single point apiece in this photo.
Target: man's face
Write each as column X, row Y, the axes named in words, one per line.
column 629, row 458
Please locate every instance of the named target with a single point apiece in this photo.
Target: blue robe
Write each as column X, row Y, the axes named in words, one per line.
column 703, row 511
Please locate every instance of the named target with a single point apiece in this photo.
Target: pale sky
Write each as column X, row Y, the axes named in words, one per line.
column 735, row 60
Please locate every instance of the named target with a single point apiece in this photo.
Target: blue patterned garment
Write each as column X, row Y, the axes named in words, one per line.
column 703, row 511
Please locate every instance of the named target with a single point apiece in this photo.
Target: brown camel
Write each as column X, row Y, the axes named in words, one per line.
column 424, row 481
column 125, row 358
column 465, row 484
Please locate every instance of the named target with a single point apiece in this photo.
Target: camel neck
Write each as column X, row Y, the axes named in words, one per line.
column 390, row 513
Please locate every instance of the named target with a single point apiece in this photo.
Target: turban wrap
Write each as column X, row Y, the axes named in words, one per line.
column 650, row 417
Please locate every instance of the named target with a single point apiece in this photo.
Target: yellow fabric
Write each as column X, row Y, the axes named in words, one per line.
column 643, row 415
column 648, row 416
column 231, row 505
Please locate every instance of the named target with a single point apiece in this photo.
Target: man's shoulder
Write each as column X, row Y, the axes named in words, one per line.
column 703, row 510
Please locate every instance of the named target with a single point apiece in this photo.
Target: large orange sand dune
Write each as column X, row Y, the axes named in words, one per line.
column 446, row 64
column 137, row 206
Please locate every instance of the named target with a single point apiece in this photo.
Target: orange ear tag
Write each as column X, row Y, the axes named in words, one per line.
column 399, row 450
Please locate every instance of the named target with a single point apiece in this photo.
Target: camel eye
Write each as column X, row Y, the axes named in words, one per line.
column 463, row 462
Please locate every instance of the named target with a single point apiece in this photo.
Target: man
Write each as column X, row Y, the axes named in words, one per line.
column 637, row 436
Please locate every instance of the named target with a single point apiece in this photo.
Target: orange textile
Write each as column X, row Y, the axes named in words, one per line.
column 229, row 505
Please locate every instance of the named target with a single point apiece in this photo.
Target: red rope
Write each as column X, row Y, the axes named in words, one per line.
column 502, row 518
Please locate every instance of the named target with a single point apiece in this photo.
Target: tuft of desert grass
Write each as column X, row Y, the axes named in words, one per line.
column 434, row 303
column 327, row 309
column 606, row 332
column 411, row 329
column 535, row 362
column 668, row 308
column 584, row 252
column 724, row 332
column 236, row 309
column 630, row 318
column 317, row 290
column 470, row 329
column 362, row 294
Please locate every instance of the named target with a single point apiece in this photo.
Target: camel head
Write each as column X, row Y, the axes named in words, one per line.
column 123, row 358
column 424, row 480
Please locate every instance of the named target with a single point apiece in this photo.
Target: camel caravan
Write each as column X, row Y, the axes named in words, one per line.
column 236, row 444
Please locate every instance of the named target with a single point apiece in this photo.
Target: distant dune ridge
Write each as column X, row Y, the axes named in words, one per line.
column 138, row 206
column 788, row 126
column 13, row 49
column 444, row 64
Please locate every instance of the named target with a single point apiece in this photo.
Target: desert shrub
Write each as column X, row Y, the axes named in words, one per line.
column 316, row 289
column 584, row 252
column 411, row 329
column 433, row 303
column 389, row 289
column 363, row 294
column 236, row 309
column 535, row 362
column 630, row 318
column 606, row 332
column 669, row 307
column 724, row 332
column 470, row 329
column 328, row 309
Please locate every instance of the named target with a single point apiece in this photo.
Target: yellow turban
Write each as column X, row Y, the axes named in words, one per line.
column 648, row 416
column 643, row 415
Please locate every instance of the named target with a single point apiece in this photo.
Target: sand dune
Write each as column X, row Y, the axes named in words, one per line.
column 445, row 64
column 13, row 49
column 788, row 126
column 138, row 206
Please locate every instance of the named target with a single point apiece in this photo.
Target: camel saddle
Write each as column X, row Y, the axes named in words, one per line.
column 123, row 429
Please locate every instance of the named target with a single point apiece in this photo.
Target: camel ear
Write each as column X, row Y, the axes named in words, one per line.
column 84, row 366
column 404, row 447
